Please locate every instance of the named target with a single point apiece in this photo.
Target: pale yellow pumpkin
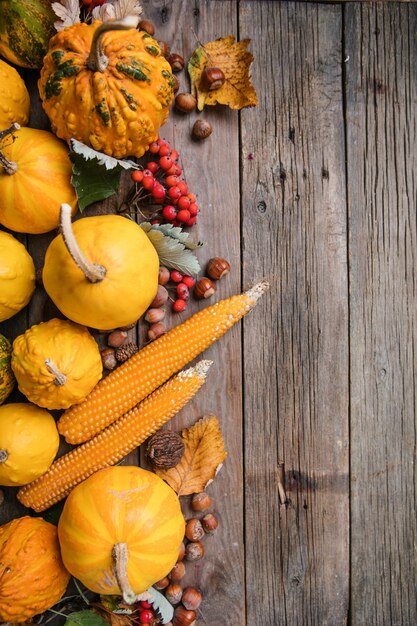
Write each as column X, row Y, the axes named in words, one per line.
column 29, row 441
column 56, row 363
column 17, row 276
column 132, row 509
column 110, row 275
column 14, row 97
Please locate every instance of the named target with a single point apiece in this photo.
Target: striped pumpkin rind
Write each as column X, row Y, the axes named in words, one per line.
column 32, row 196
column 25, row 30
column 121, row 504
column 7, row 379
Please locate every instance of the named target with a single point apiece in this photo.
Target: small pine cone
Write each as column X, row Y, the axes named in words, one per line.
column 165, row 449
column 126, row 351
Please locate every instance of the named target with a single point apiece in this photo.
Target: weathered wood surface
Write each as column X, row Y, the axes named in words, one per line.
column 314, row 190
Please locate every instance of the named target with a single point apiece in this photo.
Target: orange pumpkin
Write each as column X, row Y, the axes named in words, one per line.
column 120, row 531
column 32, row 576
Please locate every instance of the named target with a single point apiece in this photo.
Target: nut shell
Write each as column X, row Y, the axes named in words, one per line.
column 185, row 102
column 212, row 78
column 204, row 288
column 201, row 129
column 165, row 449
column 176, row 62
column 217, row 268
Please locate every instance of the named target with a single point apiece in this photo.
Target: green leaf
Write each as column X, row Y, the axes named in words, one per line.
column 161, row 604
column 176, row 232
column 95, row 176
column 85, row 618
column 171, row 252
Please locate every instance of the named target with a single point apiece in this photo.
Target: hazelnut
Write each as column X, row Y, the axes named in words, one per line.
column 117, row 338
column 154, row 315
column 201, row 129
column 162, row 584
column 209, row 523
column 194, row 551
column 163, row 276
column 176, row 83
column 212, row 78
column 176, row 62
column 160, row 298
column 108, row 358
column 217, row 268
column 178, row 571
column 165, row 49
column 201, row 501
column 185, row 102
column 147, row 26
column 191, row 598
column 173, row 593
column 204, row 288
column 183, row 617
column 194, row 530
column 156, row 330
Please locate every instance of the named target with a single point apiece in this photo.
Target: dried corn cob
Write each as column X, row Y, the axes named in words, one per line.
column 127, row 385
column 115, row 442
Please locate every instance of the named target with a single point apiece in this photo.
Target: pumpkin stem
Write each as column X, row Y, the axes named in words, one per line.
column 92, row 271
column 97, row 61
column 60, row 378
column 10, row 167
column 120, row 557
column 3, row 456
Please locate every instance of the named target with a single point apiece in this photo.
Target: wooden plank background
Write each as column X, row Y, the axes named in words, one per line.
column 315, row 191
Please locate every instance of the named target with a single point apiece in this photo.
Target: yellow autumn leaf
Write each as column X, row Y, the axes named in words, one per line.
column 233, row 58
column 203, row 456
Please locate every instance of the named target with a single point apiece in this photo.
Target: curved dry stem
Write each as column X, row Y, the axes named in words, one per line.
column 59, row 378
column 120, row 557
column 10, row 167
column 3, row 456
column 92, row 271
column 97, row 61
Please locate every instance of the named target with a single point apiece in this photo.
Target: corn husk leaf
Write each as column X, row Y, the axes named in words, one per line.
column 233, row 58
column 203, row 457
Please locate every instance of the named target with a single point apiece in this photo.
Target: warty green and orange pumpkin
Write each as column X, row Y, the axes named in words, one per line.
column 35, row 170
column 32, row 576
column 106, row 85
column 120, row 531
column 17, row 276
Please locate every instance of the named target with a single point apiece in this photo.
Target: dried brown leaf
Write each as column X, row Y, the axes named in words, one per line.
column 203, row 457
column 233, row 58
column 68, row 12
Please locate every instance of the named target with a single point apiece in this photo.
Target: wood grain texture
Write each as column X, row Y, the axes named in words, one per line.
column 295, row 380
column 381, row 90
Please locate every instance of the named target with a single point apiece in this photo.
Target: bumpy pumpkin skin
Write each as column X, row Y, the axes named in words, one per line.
column 30, row 439
column 73, row 351
column 118, row 111
column 131, row 281
column 7, row 379
column 121, row 504
column 17, row 276
column 31, row 198
column 14, row 97
column 32, row 575
column 25, row 29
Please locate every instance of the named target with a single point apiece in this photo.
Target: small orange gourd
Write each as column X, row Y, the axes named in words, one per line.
column 32, row 575
column 35, row 170
column 17, row 276
column 14, row 97
column 120, row 531
column 106, row 85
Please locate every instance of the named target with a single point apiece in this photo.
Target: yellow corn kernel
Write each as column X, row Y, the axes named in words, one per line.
column 132, row 381
column 115, row 442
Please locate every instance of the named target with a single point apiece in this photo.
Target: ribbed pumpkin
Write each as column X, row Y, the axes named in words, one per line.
column 29, row 442
column 102, row 271
column 14, row 97
column 32, row 576
column 36, row 172
column 25, row 29
column 17, row 276
column 106, row 85
column 121, row 513
column 56, row 363
column 7, row 379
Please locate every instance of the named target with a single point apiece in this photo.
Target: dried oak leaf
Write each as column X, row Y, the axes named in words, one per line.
column 203, row 457
column 234, row 60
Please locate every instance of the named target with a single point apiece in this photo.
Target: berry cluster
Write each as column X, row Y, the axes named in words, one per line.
column 160, row 183
column 146, row 615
